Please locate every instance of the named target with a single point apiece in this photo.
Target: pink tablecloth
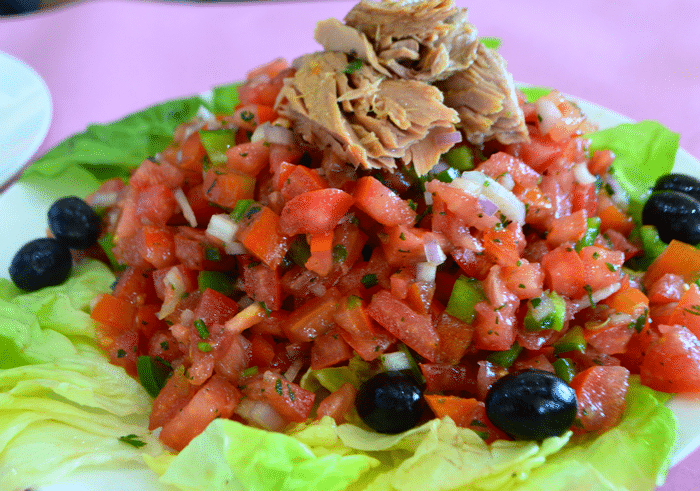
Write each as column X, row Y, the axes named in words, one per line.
column 104, row 59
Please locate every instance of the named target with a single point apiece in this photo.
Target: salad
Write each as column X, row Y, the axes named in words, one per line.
column 447, row 267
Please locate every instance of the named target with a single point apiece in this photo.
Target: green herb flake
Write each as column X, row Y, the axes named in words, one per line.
column 340, row 253
column 353, row 66
column 204, row 347
column 132, row 440
column 369, row 280
column 121, row 353
column 278, row 387
column 247, row 116
column 201, row 328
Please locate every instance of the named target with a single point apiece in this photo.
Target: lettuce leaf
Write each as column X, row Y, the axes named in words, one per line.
column 111, row 150
column 62, row 405
column 644, row 152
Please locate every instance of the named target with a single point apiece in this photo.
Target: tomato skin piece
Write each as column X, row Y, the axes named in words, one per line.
column 414, row 329
column 381, row 203
column 600, row 391
column 672, row 362
column 216, row 399
column 313, row 212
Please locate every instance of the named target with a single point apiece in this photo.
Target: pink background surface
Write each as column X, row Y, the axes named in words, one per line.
column 103, row 59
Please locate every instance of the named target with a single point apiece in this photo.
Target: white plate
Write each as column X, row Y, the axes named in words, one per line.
column 29, row 222
column 25, row 114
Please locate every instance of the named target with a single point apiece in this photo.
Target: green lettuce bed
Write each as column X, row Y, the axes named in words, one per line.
column 64, row 407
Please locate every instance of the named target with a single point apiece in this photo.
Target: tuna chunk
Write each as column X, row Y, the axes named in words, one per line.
column 425, row 41
column 485, row 98
column 365, row 118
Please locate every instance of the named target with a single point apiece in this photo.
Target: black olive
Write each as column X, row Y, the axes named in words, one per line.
column 40, row 263
column 675, row 215
column 531, row 405
column 74, row 222
column 390, row 402
column 679, row 182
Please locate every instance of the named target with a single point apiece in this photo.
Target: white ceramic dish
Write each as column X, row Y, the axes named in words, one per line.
column 28, row 221
column 25, row 115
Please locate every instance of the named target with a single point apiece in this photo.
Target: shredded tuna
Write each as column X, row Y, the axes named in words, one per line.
column 394, row 76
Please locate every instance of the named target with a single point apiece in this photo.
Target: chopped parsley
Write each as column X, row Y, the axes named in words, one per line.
column 201, row 328
column 132, row 440
column 353, row 66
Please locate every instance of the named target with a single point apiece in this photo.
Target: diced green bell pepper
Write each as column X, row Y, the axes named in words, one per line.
column 592, row 231
column 573, row 340
column 545, row 312
column 461, row 158
column 216, row 142
column 565, row 369
column 466, row 293
column 505, row 358
column 216, row 280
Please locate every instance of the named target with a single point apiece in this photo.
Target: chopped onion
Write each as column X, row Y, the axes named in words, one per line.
column 186, row 316
column 426, row 272
column 234, row 248
column 428, row 196
column 248, row 317
column 260, row 413
column 222, row 227
column 396, row 361
column 548, row 114
column 104, row 200
column 479, row 184
column 582, row 174
column 439, row 167
column 174, row 290
column 294, row 369
column 506, row 180
column 433, row 252
column 185, row 207
column 272, row 134
column 206, row 115
column 619, row 195
column 443, row 139
column 584, row 302
column 487, row 206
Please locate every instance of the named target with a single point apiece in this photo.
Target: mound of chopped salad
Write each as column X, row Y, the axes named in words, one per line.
column 377, row 243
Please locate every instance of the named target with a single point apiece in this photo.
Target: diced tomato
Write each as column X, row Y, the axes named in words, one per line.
column 455, row 337
column 249, row 116
column 537, row 362
column 600, row 162
column 225, row 188
column 486, row 375
column 672, row 362
column 584, row 199
column 494, row 328
column 146, row 321
column 668, row 288
column 291, row 401
column 156, row 205
column 313, row 318
column 261, row 237
column 564, row 272
column 524, row 280
column 620, row 243
column 299, row 180
column 600, row 392
column 216, row 399
column 404, row 245
column 201, row 207
column 611, row 217
column 314, row 211
column 359, row 331
column 248, row 158
column 687, row 312
column 677, row 258
column 500, row 163
column 611, row 338
column 157, row 246
column 321, row 253
column 501, row 246
column 602, row 267
column 114, row 312
column 567, row 229
column 188, row 276
column 464, row 205
column 262, row 284
column 338, row 403
column 150, row 173
column 136, row 286
column 540, row 152
column 445, row 377
column 174, row 396
column 163, row 344
column 214, row 308
column 414, row 329
column 279, row 154
column 329, row 349
column 473, row 264
column 381, row 203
